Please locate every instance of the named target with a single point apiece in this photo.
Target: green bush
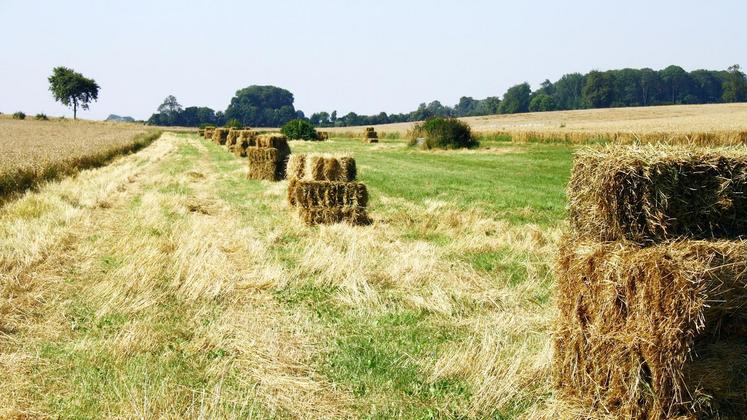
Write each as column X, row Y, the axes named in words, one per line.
column 442, row 133
column 41, row 117
column 19, row 116
column 233, row 123
column 299, row 130
column 206, row 125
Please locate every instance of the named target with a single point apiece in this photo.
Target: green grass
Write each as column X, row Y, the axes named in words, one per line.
column 521, row 183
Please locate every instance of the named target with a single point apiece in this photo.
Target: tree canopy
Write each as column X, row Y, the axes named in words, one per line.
column 71, row 88
column 262, row 106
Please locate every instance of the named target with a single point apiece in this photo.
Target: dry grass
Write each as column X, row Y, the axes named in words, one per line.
column 701, row 124
column 167, row 285
column 35, row 151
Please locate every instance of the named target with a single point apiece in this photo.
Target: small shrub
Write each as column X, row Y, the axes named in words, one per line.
column 233, row 123
column 41, row 117
column 299, row 130
column 19, row 116
column 442, row 133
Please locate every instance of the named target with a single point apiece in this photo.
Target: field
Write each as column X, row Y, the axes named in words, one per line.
column 34, row 151
column 681, row 123
column 167, row 284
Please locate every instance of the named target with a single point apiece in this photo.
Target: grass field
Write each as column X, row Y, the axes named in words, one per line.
column 167, row 284
column 34, row 151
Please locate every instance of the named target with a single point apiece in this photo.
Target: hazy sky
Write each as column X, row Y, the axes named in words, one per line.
column 362, row 56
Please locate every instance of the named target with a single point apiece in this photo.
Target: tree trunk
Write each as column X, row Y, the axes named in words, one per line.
column 75, row 109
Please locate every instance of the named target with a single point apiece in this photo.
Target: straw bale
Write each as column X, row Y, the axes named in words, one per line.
column 356, row 216
column 220, row 135
column 649, row 194
column 313, row 194
column 653, row 332
column 324, row 167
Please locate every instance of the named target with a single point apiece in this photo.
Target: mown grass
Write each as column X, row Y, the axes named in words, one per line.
column 135, row 337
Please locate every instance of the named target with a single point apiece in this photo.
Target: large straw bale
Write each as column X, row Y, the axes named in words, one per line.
column 247, row 138
column 263, row 163
column 653, row 332
column 312, row 194
column 279, row 142
column 325, row 215
column 220, row 135
column 296, row 166
column 650, row 194
column 233, row 135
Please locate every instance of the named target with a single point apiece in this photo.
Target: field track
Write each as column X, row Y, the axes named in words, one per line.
column 166, row 284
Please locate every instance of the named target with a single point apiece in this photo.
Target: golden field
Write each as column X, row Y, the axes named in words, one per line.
column 33, row 151
column 701, row 124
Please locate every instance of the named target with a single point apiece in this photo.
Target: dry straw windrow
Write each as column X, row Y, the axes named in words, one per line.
column 648, row 194
column 654, row 332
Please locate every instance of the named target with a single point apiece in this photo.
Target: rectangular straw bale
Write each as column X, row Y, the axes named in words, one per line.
column 263, row 163
column 652, row 332
column 209, row 133
column 296, row 166
column 356, row 216
column 329, row 168
column 651, row 194
column 233, row 135
column 312, row 194
column 220, row 135
column 256, row 154
column 371, row 135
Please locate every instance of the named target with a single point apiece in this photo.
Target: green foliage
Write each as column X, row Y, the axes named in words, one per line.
column 233, row 123
column 299, row 130
column 598, row 90
column 542, row 102
column 735, row 86
column 19, row 116
column 41, row 117
column 262, row 106
column 71, row 88
column 206, row 125
column 516, row 99
column 443, row 133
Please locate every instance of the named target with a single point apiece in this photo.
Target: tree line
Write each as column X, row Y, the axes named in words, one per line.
column 270, row 106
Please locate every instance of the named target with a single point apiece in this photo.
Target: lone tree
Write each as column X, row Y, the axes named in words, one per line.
column 71, row 88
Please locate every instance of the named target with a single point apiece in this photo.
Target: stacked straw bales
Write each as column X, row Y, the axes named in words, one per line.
column 233, row 135
column 247, row 139
column 653, row 284
column 220, row 136
column 370, row 136
column 268, row 157
column 324, row 190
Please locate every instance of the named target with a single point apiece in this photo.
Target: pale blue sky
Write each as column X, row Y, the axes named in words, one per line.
column 362, row 56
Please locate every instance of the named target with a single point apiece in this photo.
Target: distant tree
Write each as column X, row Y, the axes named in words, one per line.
column 735, row 85
column 262, row 106
column 708, row 85
column 541, row 102
column 333, row 117
column 233, row 123
column 676, row 82
column 516, row 99
column 71, row 88
column 650, row 85
column 568, row 91
column 598, row 89
column 170, row 106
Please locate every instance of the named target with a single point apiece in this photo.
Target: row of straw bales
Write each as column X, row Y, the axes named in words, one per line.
column 652, row 284
column 323, row 188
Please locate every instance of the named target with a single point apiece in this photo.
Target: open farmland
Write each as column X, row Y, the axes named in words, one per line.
column 167, row 284
column 33, row 151
column 703, row 124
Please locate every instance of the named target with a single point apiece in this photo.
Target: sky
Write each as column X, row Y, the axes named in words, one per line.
column 356, row 55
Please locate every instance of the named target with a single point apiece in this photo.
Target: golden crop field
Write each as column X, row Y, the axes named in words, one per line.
column 32, row 151
column 702, row 124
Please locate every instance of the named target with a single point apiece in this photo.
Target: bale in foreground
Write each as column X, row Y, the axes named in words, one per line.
column 649, row 194
column 654, row 332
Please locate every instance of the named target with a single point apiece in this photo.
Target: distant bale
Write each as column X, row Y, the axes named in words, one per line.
column 322, row 135
column 209, row 132
column 653, row 332
column 648, row 194
column 220, row 136
column 247, row 138
column 263, row 163
column 370, row 135
column 233, row 135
